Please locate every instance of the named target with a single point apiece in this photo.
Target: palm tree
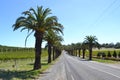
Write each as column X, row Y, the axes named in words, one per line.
column 57, row 44
column 39, row 22
column 57, row 49
column 51, row 37
column 73, row 46
column 83, row 47
column 90, row 41
column 78, row 46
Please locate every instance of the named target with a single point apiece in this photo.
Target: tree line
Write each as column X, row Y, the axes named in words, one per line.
column 91, row 42
column 88, row 43
column 111, row 45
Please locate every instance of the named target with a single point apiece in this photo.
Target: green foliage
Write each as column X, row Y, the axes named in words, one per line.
column 19, row 55
column 16, row 55
column 19, row 65
column 109, row 54
column 103, row 55
column 119, row 54
column 99, row 54
column 114, row 54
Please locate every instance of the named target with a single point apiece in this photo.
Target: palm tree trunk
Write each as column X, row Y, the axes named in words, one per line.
column 79, row 52
column 83, row 53
column 53, row 53
column 49, row 52
column 76, row 52
column 90, row 53
column 38, row 49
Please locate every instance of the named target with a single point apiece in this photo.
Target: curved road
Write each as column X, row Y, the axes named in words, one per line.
column 73, row 68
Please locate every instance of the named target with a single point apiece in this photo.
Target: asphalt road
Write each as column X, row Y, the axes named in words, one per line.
column 73, row 68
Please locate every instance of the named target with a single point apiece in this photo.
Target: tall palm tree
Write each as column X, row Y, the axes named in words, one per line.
column 57, row 44
column 51, row 37
column 57, row 49
column 38, row 21
column 78, row 46
column 73, row 48
column 83, row 47
column 90, row 41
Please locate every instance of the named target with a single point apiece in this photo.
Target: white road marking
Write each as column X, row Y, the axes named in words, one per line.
column 94, row 68
column 72, row 77
column 101, row 70
column 104, row 72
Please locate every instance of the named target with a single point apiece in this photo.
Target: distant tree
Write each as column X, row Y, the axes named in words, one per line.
column 51, row 37
column 117, row 45
column 103, row 55
column 74, row 48
column 109, row 54
column 99, row 54
column 108, row 45
column 119, row 54
column 78, row 46
column 0, row 50
column 83, row 47
column 90, row 41
column 114, row 54
column 111, row 45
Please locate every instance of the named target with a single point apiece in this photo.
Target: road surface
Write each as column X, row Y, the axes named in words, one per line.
column 73, row 68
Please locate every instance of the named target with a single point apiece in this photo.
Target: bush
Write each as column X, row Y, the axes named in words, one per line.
column 109, row 54
column 119, row 54
column 99, row 54
column 103, row 55
column 114, row 54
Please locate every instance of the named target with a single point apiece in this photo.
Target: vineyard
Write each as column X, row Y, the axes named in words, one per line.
column 8, row 53
column 17, row 62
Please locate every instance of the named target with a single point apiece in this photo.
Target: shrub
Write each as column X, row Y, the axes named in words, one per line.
column 109, row 54
column 103, row 55
column 114, row 54
column 119, row 54
column 99, row 54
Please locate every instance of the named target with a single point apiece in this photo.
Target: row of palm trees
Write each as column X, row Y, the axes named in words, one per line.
column 88, row 43
column 45, row 28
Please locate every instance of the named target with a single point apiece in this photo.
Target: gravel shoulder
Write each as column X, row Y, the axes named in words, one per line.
column 56, row 72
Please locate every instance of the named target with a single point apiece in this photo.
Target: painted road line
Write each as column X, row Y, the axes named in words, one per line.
column 72, row 77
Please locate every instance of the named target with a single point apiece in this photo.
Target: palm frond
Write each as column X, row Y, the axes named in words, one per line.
column 27, row 37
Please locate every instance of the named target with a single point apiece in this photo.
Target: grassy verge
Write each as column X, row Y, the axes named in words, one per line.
column 21, row 69
column 17, row 67
column 105, row 61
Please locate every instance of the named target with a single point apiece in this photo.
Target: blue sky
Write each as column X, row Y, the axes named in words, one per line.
column 80, row 18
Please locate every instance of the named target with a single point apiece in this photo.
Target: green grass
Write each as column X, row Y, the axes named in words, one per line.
column 23, row 71
column 105, row 61
column 19, row 65
column 95, row 52
column 16, row 55
column 105, row 51
column 19, row 55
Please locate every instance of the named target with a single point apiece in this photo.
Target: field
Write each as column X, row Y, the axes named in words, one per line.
column 106, row 59
column 18, row 65
column 95, row 51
